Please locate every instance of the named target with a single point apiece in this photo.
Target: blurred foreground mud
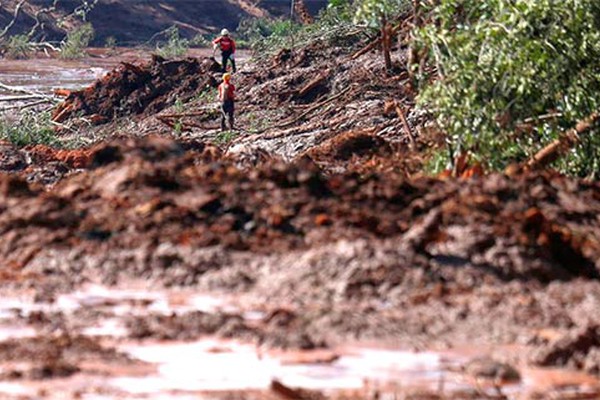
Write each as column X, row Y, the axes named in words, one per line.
column 302, row 257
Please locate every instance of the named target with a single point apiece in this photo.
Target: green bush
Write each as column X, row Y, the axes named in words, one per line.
column 371, row 12
column 17, row 47
column 200, row 41
column 110, row 43
column 32, row 127
column 76, row 42
column 512, row 75
column 223, row 138
column 174, row 46
column 266, row 36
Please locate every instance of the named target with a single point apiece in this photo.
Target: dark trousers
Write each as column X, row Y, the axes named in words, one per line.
column 227, row 109
column 226, row 56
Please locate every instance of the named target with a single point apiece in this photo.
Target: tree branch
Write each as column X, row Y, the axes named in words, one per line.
column 15, row 16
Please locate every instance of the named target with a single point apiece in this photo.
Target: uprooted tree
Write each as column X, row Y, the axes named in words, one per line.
column 513, row 75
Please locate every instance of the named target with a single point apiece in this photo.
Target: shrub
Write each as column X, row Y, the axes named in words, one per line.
column 513, row 74
column 200, row 41
column 175, row 45
column 17, row 47
column 110, row 43
column 74, row 45
column 32, row 127
column 223, row 138
column 266, row 36
column 371, row 12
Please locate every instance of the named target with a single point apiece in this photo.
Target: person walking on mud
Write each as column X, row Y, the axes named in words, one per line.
column 227, row 99
column 227, row 46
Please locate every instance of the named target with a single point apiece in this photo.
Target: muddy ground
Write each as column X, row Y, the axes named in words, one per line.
column 301, row 256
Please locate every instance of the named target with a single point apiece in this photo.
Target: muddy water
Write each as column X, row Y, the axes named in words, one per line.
column 44, row 75
column 198, row 367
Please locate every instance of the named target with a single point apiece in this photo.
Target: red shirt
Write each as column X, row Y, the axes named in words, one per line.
column 226, row 43
column 226, row 91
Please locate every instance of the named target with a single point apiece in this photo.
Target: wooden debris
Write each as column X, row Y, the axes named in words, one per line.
column 24, row 106
column 313, row 84
column 18, row 98
column 31, row 93
column 405, row 124
column 558, row 147
column 313, row 108
column 376, row 42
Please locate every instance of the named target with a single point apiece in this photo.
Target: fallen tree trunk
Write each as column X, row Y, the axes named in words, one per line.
column 558, row 147
column 23, row 106
column 19, row 98
column 27, row 92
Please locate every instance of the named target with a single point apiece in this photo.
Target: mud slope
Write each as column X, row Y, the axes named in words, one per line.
column 138, row 20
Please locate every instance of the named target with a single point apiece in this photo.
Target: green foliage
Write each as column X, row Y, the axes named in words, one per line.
column 513, row 75
column 178, row 106
column 224, row 137
column 178, row 127
column 77, row 41
column 32, row 127
column 17, row 47
column 175, row 45
column 200, row 41
column 371, row 12
column 267, row 36
column 206, row 96
column 111, row 42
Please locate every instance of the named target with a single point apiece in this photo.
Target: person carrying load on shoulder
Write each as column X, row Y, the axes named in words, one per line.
column 227, row 99
column 227, row 46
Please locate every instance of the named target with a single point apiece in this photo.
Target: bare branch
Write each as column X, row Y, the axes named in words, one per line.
column 561, row 145
column 15, row 16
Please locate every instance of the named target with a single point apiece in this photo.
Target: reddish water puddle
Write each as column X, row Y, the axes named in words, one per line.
column 212, row 365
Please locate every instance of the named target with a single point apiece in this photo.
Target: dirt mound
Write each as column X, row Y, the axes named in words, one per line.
column 138, row 89
column 40, row 154
column 579, row 349
column 46, row 357
column 351, row 144
column 11, row 160
column 41, row 164
column 151, row 194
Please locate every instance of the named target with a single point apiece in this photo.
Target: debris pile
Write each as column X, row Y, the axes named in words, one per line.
column 143, row 192
column 138, row 89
